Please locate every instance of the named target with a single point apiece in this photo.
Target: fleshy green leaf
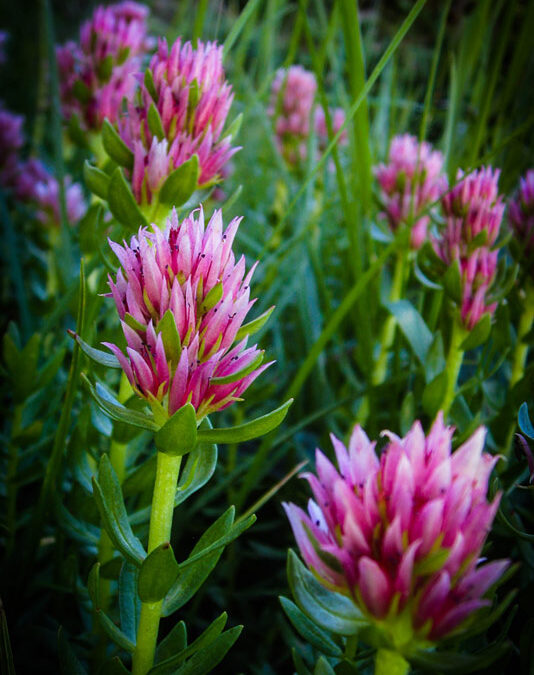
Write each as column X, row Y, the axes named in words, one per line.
column 254, row 326
column 204, row 660
column 238, row 375
column 212, row 298
column 245, row 432
column 479, row 333
column 157, row 574
column 316, row 636
column 329, row 610
column 198, row 469
column 149, row 84
column 178, row 435
column 154, row 122
column 412, row 326
column 108, row 496
column 192, row 578
column 97, row 355
column 452, row 282
column 457, row 663
column 131, row 321
column 434, row 393
column 114, row 633
column 115, row 146
column 170, row 336
column 234, row 127
column 181, row 183
column 113, row 666
column 322, row 667
column 117, row 411
column 129, row 604
column 173, row 643
column 96, row 180
column 524, row 422
column 122, row 203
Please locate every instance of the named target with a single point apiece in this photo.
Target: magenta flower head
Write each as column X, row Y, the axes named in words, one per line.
column 182, row 109
column 521, row 213
column 473, row 211
column 402, row 534
column 182, row 299
column 410, row 181
column 98, row 73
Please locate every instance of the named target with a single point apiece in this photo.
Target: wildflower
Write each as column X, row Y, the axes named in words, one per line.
column 402, row 534
column 182, row 299
column 98, row 73
column 410, row 181
column 521, row 211
column 338, row 120
column 192, row 99
column 473, row 211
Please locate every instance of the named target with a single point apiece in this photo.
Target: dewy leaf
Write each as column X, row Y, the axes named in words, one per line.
column 254, row 326
column 154, row 122
column 413, row 327
column 245, row 432
column 115, row 146
column 330, row 610
column 181, row 183
column 97, row 355
column 178, row 435
column 478, row 334
column 316, row 636
column 122, row 203
column 117, row 411
column 108, row 496
column 524, row 422
column 96, row 180
column 192, row 578
column 157, row 574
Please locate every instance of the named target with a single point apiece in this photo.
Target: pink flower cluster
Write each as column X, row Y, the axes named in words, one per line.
column 473, row 210
column 182, row 298
column 409, row 183
column 292, row 99
column 521, row 212
column 192, row 99
column 98, row 73
column 402, row 534
column 29, row 180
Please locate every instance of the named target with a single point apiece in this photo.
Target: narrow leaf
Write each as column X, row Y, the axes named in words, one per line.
column 524, row 422
column 245, row 432
column 96, row 180
column 238, row 375
column 122, row 203
column 316, row 636
column 413, row 327
column 115, row 146
column 181, row 183
column 157, row 574
column 178, row 435
column 96, row 355
column 254, row 326
column 154, row 122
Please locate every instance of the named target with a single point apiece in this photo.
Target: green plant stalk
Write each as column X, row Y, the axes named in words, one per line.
column 454, row 363
column 525, row 324
column 390, row 663
column 11, row 485
column 167, row 470
column 388, row 329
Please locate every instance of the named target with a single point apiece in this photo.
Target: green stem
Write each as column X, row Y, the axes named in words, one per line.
column 167, row 471
column 11, row 483
column 521, row 348
column 454, row 363
column 388, row 329
column 390, row 663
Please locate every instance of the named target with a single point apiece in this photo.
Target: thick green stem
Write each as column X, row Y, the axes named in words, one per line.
column 388, row 329
column 454, row 363
column 525, row 324
column 167, row 471
column 390, row 663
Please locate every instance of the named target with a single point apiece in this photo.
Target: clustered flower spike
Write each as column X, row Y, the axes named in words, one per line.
column 402, row 534
column 410, row 181
column 192, row 99
column 292, row 99
column 473, row 210
column 521, row 212
column 182, row 299
column 98, row 73
column 30, row 181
